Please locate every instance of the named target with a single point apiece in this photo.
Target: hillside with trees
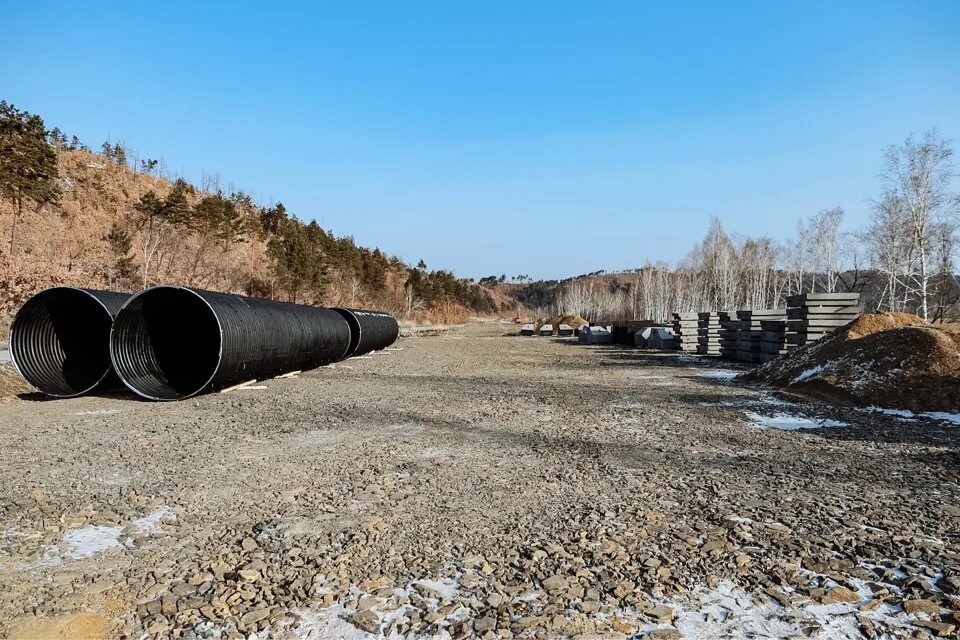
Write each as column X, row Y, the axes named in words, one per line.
column 109, row 219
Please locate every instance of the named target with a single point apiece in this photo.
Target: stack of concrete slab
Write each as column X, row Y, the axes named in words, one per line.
column 708, row 333
column 750, row 334
column 773, row 340
column 729, row 335
column 685, row 327
column 811, row 316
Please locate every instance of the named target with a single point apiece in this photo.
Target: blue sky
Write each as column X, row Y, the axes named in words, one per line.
column 544, row 138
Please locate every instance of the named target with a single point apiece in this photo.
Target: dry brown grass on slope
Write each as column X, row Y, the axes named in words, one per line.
column 892, row 360
column 65, row 244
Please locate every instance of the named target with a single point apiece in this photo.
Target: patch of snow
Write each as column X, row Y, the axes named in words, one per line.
column 718, row 374
column 49, row 557
column 790, row 422
column 726, row 611
column 333, row 622
column 446, row 587
column 952, row 418
column 900, row 413
column 809, row 373
column 729, row 612
column 91, row 540
column 151, row 521
column 328, row 623
column 739, row 519
column 720, row 403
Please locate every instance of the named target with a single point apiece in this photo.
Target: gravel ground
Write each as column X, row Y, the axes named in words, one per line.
column 474, row 484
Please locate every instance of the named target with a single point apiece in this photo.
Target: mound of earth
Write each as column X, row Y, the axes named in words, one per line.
column 11, row 384
column 572, row 321
column 891, row 360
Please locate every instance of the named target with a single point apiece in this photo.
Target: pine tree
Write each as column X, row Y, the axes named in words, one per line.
column 299, row 265
column 28, row 164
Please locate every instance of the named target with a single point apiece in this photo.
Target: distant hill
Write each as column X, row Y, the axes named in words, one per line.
column 107, row 225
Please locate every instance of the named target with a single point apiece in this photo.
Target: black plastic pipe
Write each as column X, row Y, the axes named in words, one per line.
column 60, row 341
column 369, row 330
column 170, row 343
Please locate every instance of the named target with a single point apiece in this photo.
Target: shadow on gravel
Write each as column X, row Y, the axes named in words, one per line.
column 116, row 394
column 620, row 355
column 863, row 426
column 879, row 428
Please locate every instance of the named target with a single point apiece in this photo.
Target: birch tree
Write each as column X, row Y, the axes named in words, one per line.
column 825, row 228
column 888, row 246
column 919, row 173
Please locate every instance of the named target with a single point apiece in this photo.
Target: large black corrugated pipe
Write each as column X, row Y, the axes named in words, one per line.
column 170, row 343
column 369, row 330
column 60, row 340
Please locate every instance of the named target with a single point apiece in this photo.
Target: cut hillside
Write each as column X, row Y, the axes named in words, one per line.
column 95, row 235
column 889, row 360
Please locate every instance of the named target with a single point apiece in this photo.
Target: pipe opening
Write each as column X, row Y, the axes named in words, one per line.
column 166, row 343
column 59, row 342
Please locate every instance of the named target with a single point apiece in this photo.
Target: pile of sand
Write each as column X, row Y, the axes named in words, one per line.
column 893, row 360
column 572, row 321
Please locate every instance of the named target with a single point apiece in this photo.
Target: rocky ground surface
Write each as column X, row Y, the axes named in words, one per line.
column 472, row 484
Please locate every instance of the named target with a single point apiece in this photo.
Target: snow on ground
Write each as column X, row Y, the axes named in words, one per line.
column 446, row 588
column 809, row 373
column 84, row 542
column 725, row 611
column 952, row 418
column 725, row 375
column 899, row 413
column 151, row 521
column 728, row 612
column 790, row 422
column 91, row 540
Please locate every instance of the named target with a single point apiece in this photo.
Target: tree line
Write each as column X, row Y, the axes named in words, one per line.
column 902, row 260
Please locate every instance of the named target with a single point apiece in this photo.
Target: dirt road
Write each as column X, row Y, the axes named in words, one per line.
column 476, row 484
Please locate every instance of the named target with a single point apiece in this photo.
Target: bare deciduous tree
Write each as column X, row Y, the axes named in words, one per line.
column 918, row 173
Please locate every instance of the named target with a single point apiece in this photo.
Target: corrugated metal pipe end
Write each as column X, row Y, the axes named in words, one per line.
column 59, row 341
column 369, row 330
column 170, row 343
column 166, row 343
